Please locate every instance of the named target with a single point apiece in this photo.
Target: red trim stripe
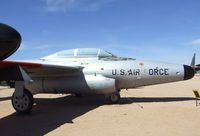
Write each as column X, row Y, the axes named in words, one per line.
column 5, row 64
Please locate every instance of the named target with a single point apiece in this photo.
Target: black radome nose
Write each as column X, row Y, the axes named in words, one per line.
column 188, row 72
column 10, row 41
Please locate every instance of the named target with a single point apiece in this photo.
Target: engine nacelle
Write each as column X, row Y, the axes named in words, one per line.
column 100, row 84
column 74, row 84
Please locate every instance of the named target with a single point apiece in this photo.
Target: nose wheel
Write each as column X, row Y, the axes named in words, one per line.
column 23, row 104
column 114, row 98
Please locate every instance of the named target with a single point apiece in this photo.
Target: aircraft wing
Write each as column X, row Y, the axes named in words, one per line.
column 16, row 70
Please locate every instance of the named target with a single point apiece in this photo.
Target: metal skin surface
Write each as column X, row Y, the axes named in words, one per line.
column 105, row 77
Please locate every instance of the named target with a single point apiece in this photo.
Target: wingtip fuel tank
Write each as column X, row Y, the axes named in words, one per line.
column 10, row 40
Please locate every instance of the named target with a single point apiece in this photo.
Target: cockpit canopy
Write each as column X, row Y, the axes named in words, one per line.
column 83, row 53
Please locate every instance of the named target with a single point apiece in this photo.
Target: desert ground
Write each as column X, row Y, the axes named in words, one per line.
column 159, row 110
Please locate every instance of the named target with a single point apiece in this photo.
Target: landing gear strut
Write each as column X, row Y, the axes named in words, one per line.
column 114, row 98
column 24, row 103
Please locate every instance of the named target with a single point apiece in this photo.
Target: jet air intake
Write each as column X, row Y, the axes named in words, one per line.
column 10, row 41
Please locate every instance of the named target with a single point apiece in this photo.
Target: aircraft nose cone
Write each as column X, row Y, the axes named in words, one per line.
column 188, row 72
column 10, row 41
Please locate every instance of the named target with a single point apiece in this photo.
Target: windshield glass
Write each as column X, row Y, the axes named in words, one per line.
column 103, row 53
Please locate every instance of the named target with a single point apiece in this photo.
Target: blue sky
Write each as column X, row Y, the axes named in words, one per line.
column 161, row 30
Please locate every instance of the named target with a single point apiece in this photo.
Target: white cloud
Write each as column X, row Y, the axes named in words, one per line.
column 74, row 5
column 195, row 42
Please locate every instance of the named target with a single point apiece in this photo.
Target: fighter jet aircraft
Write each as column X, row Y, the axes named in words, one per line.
column 81, row 71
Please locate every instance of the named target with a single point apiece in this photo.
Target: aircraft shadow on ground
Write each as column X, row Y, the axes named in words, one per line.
column 127, row 100
column 5, row 98
column 47, row 115
column 50, row 114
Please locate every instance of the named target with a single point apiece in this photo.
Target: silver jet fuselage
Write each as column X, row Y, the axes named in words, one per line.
column 106, row 76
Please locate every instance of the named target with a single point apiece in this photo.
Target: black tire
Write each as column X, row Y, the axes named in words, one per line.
column 114, row 98
column 24, row 104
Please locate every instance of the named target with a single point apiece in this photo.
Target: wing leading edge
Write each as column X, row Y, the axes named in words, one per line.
column 12, row 70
